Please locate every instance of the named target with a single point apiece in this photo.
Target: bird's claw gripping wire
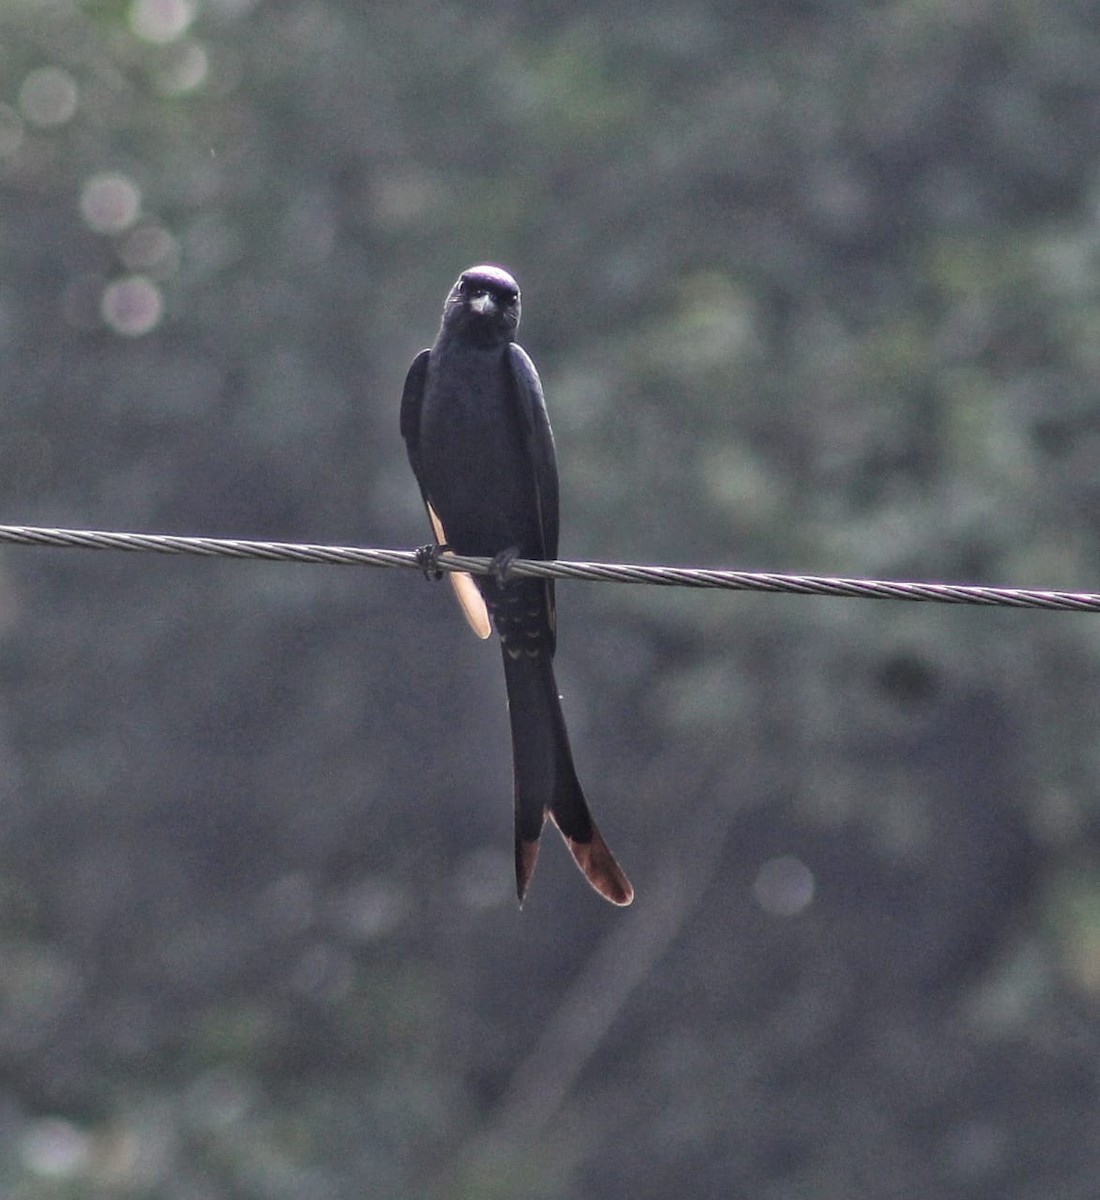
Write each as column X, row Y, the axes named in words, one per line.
column 427, row 559
column 503, row 562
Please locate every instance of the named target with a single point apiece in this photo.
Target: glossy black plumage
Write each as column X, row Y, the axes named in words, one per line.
column 479, row 442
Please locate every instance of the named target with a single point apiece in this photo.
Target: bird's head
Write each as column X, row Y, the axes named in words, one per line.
column 483, row 305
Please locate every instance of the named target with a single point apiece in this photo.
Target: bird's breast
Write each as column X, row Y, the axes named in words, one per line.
column 474, row 457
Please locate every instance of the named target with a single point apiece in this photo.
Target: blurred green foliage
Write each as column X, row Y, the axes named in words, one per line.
column 812, row 287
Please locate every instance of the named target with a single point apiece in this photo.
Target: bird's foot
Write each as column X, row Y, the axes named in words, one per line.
column 427, row 559
column 503, row 563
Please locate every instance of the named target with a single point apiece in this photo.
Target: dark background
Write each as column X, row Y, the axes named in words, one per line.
column 812, row 287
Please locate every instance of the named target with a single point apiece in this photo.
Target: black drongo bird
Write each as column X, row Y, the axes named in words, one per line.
column 475, row 426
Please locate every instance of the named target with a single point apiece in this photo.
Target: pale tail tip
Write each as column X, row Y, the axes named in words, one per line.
column 595, row 860
column 527, row 854
column 601, row 870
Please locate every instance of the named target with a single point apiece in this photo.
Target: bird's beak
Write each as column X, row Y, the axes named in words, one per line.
column 482, row 302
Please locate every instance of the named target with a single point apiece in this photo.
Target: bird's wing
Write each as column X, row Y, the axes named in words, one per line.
column 544, row 466
column 412, row 397
column 540, row 445
column 465, row 590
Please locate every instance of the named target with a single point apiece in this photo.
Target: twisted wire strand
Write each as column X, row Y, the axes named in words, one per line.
column 694, row 577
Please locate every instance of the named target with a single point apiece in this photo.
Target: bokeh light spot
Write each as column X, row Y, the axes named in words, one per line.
column 185, row 68
column 110, row 203
column 161, row 21
column 55, row 1149
column 132, row 306
column 150, row 248
column 48, row 97
column 784, row 886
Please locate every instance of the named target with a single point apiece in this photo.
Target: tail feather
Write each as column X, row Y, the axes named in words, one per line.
column 599, row 867
column 546, row 782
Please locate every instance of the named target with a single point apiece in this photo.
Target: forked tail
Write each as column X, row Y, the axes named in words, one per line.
column 546, row 783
